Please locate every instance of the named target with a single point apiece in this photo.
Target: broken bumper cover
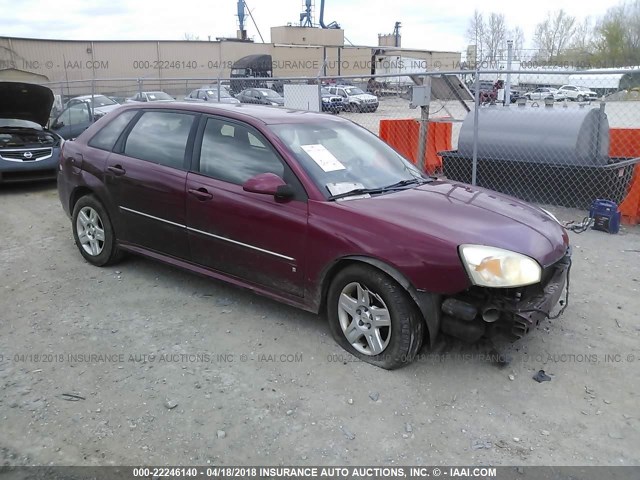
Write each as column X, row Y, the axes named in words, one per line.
column 531, row 310
column 511, row 313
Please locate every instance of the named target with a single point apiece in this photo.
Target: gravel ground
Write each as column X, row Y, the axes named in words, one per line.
column 188, row 370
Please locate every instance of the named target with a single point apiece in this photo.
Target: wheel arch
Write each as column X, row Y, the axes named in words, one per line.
column 428, row 303
column 77, row 194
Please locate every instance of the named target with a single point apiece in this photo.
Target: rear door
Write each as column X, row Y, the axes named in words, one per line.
column 251, row 236
column 147, row 176
column 73, row 120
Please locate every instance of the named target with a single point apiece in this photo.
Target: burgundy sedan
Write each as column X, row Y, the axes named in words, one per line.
column 316, row 212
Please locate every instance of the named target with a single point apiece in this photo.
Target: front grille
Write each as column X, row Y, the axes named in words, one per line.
column 26, row 154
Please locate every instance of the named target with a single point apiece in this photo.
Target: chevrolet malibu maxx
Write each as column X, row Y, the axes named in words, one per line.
column 316, row 212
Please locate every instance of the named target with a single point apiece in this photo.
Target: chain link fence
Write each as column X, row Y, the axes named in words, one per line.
column 553, row 137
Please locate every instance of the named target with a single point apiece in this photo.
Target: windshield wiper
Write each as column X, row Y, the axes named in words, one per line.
column 388, row 188
column 409, row 181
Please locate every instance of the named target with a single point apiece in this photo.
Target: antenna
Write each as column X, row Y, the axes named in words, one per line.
column 253, row 20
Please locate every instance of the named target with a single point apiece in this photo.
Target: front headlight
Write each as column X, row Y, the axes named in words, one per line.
column 499, row 268
column 275, row 103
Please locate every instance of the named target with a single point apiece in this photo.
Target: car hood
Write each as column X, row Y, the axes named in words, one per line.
column 364, row 96
column 25, row 101
column 461, row 214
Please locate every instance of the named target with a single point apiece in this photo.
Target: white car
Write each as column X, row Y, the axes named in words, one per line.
column 355, row 98
column 579, row 94
column 150, row 97
column 100, row 104
column 541, row 93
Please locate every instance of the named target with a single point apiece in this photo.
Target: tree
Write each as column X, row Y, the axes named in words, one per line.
column 554, row 34
column 494, row 38
column 618, row 42
column 517, row 35
column 475, row 34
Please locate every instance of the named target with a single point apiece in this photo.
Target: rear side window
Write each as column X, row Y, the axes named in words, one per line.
column 160, row 137
column 106, row 138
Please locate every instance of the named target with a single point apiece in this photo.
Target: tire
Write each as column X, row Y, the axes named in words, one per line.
column 354, row 108
column 580, row 98
column 355, row 295
column 93, row 232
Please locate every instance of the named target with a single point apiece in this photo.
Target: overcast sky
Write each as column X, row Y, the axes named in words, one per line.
column 438, row 25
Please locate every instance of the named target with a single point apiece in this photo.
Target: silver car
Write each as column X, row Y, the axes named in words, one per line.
column 211, row 95
column 150, row 97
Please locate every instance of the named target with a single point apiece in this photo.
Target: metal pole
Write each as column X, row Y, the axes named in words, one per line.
column 93, row 94
column 218, row 84
column 507, row 87
column 424, row 125
column 474, row 165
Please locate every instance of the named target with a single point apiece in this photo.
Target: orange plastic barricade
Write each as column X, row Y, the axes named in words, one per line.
column 403, row 135
column 625, row 142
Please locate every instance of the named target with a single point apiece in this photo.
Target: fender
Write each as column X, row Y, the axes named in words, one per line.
column 427, row 302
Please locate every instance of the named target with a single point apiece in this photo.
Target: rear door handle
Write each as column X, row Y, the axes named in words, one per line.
column 117, row 170
column 201, row 194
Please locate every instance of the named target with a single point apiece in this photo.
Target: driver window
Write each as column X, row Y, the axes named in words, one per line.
column 75, row 114
column 234, row 153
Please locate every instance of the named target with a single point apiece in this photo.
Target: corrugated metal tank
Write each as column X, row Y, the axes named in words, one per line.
column 545, row 134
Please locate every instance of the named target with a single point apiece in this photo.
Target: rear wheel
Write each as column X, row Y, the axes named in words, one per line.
column 93, row 232
column 373, row 317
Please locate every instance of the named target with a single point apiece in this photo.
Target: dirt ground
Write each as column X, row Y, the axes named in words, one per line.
column 141, row 363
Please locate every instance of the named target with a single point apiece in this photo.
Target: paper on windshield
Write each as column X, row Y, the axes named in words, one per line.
column 323, row 157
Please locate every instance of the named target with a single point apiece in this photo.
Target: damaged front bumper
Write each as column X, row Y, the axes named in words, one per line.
column 514, row 312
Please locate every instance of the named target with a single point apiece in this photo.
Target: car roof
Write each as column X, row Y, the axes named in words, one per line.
column 267, row 115
column 88, row 97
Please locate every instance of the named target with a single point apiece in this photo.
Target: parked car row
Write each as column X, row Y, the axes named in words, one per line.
column 565, row 92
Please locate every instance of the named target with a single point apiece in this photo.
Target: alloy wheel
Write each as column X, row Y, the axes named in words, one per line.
column 364, row 319
column 90, row 231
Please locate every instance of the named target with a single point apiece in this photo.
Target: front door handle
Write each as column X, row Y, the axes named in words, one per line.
column 117, row 170
column 201, row 194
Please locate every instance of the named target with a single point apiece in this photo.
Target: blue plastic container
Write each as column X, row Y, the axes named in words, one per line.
column 606, row 216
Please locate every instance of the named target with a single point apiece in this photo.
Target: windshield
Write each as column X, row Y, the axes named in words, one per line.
column 101, row 101
column 214, row 93
column 341, row 157
column 353, row 91
column 269, row 94
column 155, row 96
column 325, row 91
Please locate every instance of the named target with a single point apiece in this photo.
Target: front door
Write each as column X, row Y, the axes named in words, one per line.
column 252, row 236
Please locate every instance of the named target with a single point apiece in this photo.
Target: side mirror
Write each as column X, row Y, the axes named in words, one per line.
column 57, row 125
column 268, row 184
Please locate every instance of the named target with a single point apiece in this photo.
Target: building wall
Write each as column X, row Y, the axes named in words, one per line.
column 294, row 35
column 203, row 61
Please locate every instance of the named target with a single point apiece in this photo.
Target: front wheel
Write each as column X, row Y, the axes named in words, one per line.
column 93, row 232
column 580, row 98
column 373, row 317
